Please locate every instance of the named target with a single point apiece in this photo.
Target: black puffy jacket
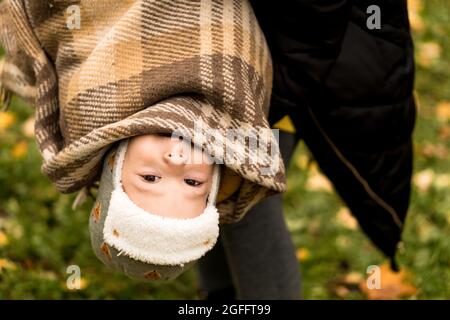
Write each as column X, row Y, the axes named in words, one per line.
column 348, row 90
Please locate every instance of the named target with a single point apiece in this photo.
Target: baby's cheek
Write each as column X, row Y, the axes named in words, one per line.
column 205, row 195
column 125, row 182
column 199, row 191
column 189, row 192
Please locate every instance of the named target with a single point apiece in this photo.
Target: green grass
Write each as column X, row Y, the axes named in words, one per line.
column 44, row 236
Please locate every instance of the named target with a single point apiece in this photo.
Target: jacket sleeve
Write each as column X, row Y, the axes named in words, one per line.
column 305, row 38
column 16, row 72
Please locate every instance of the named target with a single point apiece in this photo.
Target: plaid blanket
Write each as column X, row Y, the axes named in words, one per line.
column 101, row 71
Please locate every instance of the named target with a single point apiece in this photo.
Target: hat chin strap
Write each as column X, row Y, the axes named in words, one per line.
column 154, row 239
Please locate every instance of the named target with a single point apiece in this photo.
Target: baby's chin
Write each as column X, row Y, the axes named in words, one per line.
column 183, row 214
column 177, row 210
column 186, row 214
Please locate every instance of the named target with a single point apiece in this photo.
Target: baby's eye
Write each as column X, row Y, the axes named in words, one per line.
column 151, row 178
column 192, row 182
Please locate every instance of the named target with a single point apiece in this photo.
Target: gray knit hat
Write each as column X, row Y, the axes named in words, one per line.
column 141, row 244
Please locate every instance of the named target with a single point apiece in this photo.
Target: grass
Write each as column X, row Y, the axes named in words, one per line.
column 40, row 236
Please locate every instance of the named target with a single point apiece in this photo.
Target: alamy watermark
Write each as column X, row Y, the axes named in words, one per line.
column 73, row 281
column 374, row 20
column 73, row 12
column 73, row 20
column 233, row 147
column 374, row 277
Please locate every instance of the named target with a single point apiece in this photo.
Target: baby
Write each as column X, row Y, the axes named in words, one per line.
column 155, row 212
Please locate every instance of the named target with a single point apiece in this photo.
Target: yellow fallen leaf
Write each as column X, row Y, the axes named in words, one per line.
column 415, row 20
column 285, row 124
column 3, row 239
column 313, row 167
column 444, row 133
column 6, row 264
column 428, row 53
column 353, row 278
column 19, row 150
column 346, row 219
column 442, row 181
column 424, row 179
column 425, row 230
column 318, row 182
column 438, row 151
column 341, row 291
column 83, row 285
column 28, row 127
column 303, row 254
column 302, row 161
column 393, row 285
column 12, row 228
column 415, row 6
column 342, row 285
column 443, row 111
column 7, row 119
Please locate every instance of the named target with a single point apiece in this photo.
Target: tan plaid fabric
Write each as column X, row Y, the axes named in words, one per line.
column 136, row 67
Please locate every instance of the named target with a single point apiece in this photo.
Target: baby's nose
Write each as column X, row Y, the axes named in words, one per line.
column 175, row 156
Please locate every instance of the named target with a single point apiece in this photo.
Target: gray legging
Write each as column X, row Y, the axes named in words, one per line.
column 256, row 256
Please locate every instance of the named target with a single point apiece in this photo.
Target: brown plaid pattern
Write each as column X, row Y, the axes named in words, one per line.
column 137, row 67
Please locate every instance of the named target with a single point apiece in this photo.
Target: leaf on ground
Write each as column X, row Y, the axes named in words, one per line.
column 415, row 6
column 343, row 285
column 442, row 181
column 302, row 161
column 393, row 285
column 346, row 219
column 414, row 9
column 425, row 231
column 444, row 133
column 28, row 127
column 443, row 111
column 7, row 119
column 438, row 151
column 3, row 239
column 19, row 150
column 424, row 179
column 303, row 254
column 83, row 284
column 6, row 264
column 428, row 53
column 12, row 227
column 318, row 182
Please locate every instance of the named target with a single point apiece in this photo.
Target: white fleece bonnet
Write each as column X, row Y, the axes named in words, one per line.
column 142, row 244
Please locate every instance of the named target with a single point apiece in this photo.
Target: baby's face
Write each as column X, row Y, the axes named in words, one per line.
column 157, row 177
